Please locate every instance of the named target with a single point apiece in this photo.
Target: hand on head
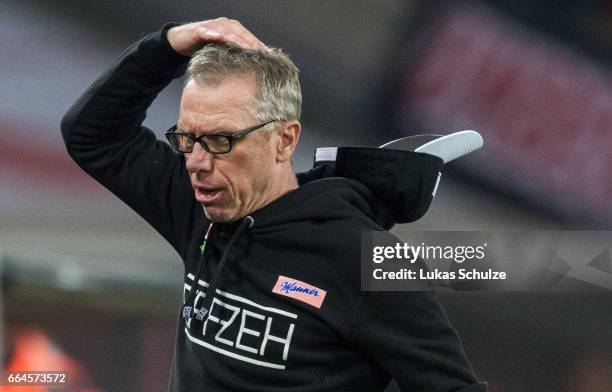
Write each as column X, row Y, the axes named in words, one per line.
column 189, row 38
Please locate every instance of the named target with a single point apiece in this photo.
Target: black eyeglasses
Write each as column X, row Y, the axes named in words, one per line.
column 184, row 142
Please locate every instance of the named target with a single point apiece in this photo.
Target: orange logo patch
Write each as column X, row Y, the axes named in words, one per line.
column 299, row 290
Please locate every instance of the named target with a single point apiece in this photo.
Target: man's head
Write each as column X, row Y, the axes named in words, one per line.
column 227, row 90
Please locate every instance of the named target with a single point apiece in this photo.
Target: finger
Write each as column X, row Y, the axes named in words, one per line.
column 233, row 31
column 234, row 22
column 246, row 35
column 250, row 41
column 262, row 46
column 207, row 34
column 238, row 40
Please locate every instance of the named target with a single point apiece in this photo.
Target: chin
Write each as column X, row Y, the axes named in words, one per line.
column 219, row 215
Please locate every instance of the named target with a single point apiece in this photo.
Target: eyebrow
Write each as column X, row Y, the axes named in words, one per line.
column 218, row 131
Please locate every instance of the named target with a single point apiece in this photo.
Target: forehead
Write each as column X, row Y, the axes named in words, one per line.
column 207, row 107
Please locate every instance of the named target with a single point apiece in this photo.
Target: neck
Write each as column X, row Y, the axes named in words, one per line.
column 285, row 182
column 281, row 183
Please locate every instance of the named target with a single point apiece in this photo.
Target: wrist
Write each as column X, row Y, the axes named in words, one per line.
column 157, row 55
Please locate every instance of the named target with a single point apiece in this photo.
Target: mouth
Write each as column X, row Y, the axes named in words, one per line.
column 207, row 195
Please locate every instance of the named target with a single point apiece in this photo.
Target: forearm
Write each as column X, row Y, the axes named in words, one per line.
column 103, row 133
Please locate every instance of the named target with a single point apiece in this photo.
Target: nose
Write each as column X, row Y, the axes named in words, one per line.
column 199, row 160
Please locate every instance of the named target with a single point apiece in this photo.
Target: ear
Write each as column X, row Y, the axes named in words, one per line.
column 289, row 135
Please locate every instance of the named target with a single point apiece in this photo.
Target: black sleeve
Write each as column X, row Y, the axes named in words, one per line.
column 410, row 336
column 104, row 135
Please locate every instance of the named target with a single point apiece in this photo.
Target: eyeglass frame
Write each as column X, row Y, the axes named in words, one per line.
column 232, row 138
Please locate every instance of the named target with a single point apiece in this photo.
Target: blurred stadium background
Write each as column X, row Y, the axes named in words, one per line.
column 88, row 286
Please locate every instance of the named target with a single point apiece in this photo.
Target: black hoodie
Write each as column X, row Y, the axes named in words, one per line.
column 287, row 313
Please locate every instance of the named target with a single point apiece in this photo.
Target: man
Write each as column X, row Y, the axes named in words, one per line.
column 272, row 298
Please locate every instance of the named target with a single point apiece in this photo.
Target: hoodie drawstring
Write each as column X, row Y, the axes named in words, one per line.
column 202, row 313
column 188, row 306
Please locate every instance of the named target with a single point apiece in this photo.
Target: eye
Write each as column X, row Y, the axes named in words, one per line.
column 217, row 143
column 180, row 142
column 184, row 142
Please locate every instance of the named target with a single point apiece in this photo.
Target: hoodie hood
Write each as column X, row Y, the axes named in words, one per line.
column 399, row 184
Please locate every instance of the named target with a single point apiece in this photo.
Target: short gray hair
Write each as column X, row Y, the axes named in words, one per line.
column 278, row 96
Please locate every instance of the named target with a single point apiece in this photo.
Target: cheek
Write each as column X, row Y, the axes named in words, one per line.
column 249, row 170
column 257, row 172
column 240, row 175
